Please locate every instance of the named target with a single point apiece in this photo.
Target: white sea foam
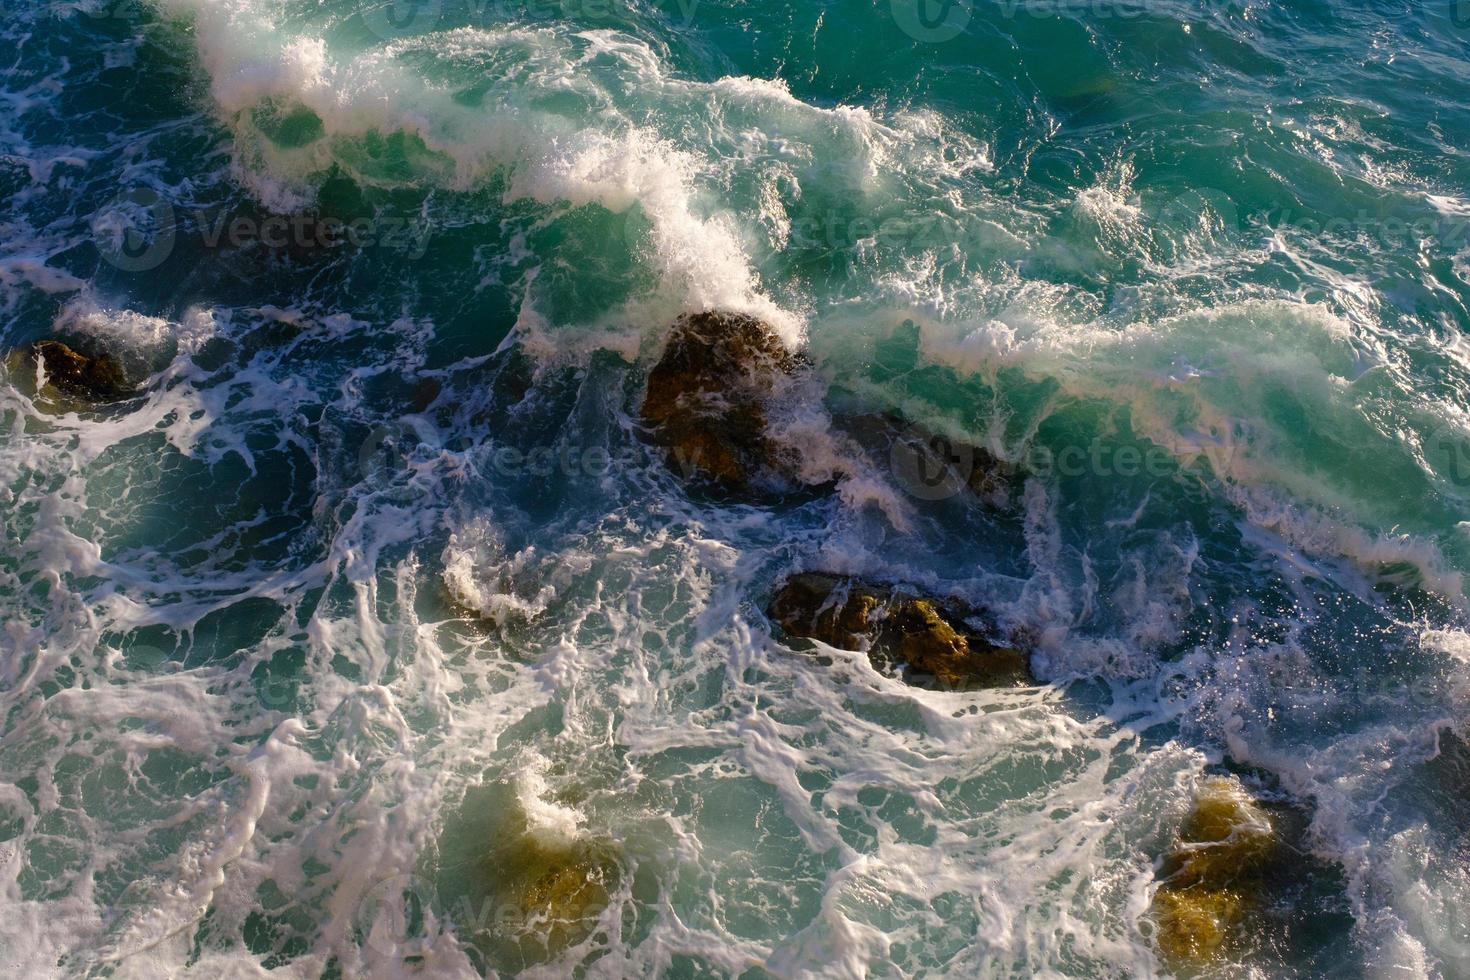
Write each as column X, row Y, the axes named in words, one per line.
column 812, row 814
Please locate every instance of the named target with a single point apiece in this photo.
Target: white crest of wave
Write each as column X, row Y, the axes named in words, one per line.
column 608, row 159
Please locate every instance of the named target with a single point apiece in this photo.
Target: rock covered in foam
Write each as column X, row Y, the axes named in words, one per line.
column 521, row 877
column 558, row 891
column 932, row 636
column 708, row 398
column 1213, row 875
column 95, row 380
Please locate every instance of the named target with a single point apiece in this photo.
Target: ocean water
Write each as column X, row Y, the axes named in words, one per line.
column 375, row 585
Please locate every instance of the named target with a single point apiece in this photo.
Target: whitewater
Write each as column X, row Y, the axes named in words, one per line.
column 373, row 601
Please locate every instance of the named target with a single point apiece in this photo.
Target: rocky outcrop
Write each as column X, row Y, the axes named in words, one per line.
column 95, row 380
column 1213, row 875
column 934, row 637
column 708, row 400
column 709, row 405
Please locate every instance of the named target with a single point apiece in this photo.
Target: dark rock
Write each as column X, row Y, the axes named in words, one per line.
column 91, row 379
column 708, row 397
column 426, row 392
column 272, row 334
column 932, row 636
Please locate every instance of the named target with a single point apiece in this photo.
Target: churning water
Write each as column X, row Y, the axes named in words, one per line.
column 374, row 594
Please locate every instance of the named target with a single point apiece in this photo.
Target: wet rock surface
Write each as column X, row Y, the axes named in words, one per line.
column 557, row 889
column 1239, row 883
column 73, row 375
column 707, row 401
column 934, row 637
column 1210, row 877
column 532, row 892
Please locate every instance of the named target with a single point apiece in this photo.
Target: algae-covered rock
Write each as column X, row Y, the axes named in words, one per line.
column 1194, row 924
column 1213, row 875
column 558, row 889
column 1227, row 834
column 708, row 397
column 929, row 644
column 932, row 636
column 524, row 889
column 1240, row 886
column 95, row 380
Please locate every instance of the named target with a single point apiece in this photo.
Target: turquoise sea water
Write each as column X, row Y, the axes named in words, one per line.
column 376, row 582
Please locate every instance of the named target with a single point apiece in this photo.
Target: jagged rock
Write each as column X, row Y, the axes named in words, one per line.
column 1212, row 876
column 708, row 404
column 708, row 396
column 91, row 379
column 933, row 637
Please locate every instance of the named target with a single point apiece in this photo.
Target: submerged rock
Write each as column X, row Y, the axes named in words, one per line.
column 932, row 636
column 708, row 398
column 96, row 380
column 558, row 891
column 530, row 888
column 1213, row 875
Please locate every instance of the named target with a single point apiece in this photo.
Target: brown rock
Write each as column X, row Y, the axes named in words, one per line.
column 931, row 636
column 91, row 379
column 559, row 891
column 1212, row 877
column 707, row 399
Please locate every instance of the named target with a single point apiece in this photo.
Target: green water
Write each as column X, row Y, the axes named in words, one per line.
column 373, row 612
